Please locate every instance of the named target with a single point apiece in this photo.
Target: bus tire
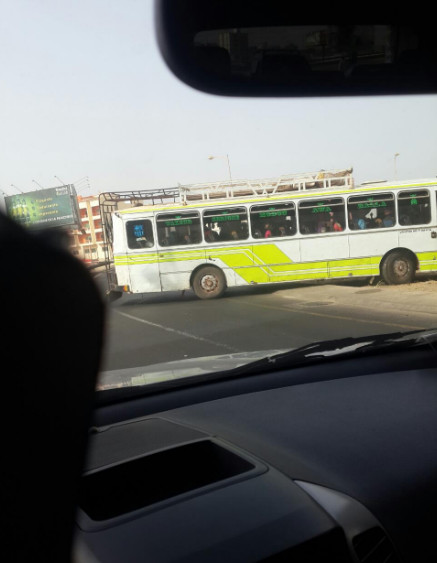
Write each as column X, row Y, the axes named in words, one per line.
column 209, row 282
column 398, row 268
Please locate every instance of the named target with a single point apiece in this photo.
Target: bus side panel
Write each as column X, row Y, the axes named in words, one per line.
column 236, row 261
column 176, row 267
column 370, row 247
column 121, row 271
column 326, row 250
column 420, row 241
column 278, row 260
column 143, row 272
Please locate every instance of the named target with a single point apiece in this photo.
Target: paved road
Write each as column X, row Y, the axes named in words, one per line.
column 144, row 330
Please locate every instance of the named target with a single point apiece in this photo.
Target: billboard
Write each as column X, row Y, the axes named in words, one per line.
column 51, row 207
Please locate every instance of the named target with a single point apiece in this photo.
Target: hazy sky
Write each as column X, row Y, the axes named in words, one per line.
column 84, row 92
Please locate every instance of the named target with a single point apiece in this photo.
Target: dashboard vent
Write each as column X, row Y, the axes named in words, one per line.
column 373, row 546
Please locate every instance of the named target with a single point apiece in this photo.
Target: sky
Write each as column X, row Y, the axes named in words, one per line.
column 86, row 96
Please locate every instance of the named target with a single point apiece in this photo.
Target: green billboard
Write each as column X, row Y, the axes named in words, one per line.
column 51, row 207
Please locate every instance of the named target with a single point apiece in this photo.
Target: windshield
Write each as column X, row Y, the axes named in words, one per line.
column 227, row 229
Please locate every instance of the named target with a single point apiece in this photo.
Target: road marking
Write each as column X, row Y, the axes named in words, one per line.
column 338, row 317
column 180, row 332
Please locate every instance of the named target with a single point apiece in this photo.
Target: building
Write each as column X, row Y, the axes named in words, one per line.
column 87, row 243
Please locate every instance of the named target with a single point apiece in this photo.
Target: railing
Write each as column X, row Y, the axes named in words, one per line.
column 325, row 179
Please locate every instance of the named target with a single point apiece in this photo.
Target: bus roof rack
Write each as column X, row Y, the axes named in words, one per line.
column 323, row 179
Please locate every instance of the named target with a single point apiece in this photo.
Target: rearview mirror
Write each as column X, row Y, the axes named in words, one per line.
column 266, row 48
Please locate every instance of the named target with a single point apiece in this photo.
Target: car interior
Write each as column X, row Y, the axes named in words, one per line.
column 327, row 459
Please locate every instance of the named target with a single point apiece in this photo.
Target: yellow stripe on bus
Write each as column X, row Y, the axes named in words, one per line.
column 267, row 263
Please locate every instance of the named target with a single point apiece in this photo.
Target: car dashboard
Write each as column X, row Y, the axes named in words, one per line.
column 332, row 461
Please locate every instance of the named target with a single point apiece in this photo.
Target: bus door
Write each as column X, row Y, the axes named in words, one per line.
column 141, row 256
column 180, row 248
column 276, row 252
column 324, row 246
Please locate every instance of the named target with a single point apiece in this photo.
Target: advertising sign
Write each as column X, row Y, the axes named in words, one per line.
column 51, row 207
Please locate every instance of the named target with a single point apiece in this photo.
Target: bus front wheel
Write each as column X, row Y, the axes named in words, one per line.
column 398, row 268
column 209, row 282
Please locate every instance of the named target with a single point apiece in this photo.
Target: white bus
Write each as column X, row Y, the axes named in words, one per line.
column 268, row 236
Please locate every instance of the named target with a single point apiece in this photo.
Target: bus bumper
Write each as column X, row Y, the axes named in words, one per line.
column 116, row 292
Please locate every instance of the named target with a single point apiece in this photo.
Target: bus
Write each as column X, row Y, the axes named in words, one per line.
column 209, row 237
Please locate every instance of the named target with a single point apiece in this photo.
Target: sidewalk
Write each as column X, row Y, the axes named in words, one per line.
column 419, row 297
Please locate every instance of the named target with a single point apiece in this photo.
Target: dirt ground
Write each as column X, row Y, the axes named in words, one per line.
column 424, row 284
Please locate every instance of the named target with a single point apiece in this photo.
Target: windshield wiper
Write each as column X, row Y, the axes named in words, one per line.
column 344, row 347
column 309, row 354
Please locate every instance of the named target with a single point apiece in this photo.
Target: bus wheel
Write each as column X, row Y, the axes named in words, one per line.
column 209, row 282
column 398, row 268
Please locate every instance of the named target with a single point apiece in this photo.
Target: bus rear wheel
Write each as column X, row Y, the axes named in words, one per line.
column 209, row 283
column 398, row 268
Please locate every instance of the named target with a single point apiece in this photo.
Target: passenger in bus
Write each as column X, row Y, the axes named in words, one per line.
column 334, row 225
column 267, row 231
column 195, row 236
column 244, row 231
column 234, row 235
column 361, row 223
column 210, row 236
column 225, row 233
column 172, row 238
column 282, row 231
column 142, row 242
column 321, row 226
column 257, row 233
column 388, row 220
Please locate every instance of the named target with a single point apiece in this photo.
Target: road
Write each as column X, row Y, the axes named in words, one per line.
column 145, row 330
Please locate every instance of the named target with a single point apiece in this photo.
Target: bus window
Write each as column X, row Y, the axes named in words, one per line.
column 321, row 216
column 139, row 233
column 176, row 229
column 414, row 208
column 273, row 220
column 228, row 223
column 376, row 211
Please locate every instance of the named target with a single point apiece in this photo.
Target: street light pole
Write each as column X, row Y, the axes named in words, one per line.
column 35, row 182
column 229, row 165
column 396, row 155
column 229, row 168
column 59, row 180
